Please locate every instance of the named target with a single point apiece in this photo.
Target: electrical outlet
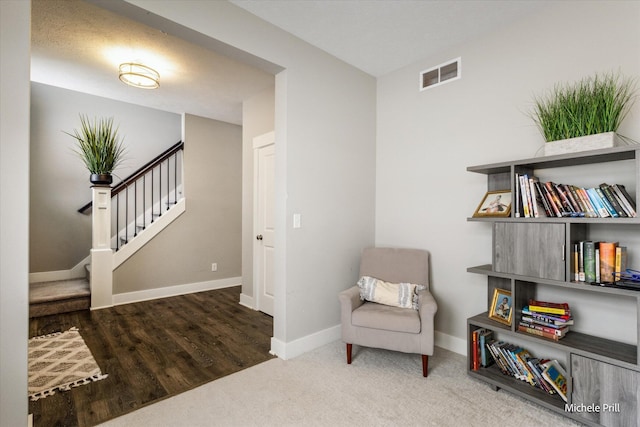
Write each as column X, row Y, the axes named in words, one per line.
column 214, row 266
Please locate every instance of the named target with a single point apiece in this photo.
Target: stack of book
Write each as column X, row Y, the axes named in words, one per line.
column 546, row 319
column 537, row 199
column 517, row 362
column 598, row 262
column 479, row 357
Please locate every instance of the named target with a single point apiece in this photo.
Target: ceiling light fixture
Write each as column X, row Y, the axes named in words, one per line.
column 139, row 75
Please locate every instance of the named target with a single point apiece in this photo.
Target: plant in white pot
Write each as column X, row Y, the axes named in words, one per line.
column 584, row 115
column 100, row 148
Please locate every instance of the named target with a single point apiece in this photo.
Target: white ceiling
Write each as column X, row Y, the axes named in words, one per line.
column 78, row 45
column 380, row 36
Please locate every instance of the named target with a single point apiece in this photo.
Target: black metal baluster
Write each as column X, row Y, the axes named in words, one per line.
column 175, row 178
column 117, row 221
column 160, row 189
column 144, row 201
column 135, row 208
column 168, row 185
column 152, row 205
column 126, row 215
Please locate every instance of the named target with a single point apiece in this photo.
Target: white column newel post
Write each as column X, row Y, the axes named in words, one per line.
column 101, row 252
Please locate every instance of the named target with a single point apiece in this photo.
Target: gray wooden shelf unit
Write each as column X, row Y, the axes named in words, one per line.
column 532, row 252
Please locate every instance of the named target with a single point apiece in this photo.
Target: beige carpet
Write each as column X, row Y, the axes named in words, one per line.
column 58, row 362
column 380, row 388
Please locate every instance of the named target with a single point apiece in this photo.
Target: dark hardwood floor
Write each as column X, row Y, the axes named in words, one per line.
column 153, row 350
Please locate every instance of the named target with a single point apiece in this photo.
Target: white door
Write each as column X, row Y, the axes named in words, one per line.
column 264, row 174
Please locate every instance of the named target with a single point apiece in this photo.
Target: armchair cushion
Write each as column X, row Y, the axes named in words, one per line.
column 384, row 317
column 394, row 294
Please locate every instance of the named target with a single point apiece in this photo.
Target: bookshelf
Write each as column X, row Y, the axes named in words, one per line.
column 532, row 255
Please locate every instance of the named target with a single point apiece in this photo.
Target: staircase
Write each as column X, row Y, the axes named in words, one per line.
column 142, row 206
column 58, row 297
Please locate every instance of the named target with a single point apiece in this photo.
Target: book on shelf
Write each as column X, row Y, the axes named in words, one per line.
column 557, row 377
column 518, row 362
column 589, row 261
column 607, row 191
column 538, row 332
column 597, row 203
column 573, row 200
column 547, row 319
column 542, row 200
column 570, row 209
column 606, row 202
column 523, row 194
column 597, row 251
column 576, row 265
column 590, row 210
column 621, row 261
column 535, row 365
column 534, row 198
column 485, row 335
column 581, row 275
column 559, row 332
column 560, row 309
column 625, row 199
column 517, row 202
column 475, row 357
column 607, row 261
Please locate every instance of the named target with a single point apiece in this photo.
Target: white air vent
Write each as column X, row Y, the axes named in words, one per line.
column 443, row 73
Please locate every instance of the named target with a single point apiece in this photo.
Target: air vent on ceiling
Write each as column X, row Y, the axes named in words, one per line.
column 443, row 73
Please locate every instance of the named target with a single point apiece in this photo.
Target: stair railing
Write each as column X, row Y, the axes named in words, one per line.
column 142, row 197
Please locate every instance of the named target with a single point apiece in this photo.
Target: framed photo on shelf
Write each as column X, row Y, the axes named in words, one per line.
column 494, row 203
column 501, row 308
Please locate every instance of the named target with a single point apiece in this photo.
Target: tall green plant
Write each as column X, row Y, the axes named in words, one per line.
column 98, row 145
column 594, row 105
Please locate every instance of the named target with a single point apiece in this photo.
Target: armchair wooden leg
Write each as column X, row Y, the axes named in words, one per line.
column 425, row 365
column 349, row 348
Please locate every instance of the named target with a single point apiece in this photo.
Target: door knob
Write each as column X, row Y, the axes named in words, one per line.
column 259, row 237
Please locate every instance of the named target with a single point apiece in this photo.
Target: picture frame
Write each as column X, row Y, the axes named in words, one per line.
column 501, row 309
column 495, row 203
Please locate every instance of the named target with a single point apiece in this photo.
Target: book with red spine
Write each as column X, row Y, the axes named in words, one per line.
column 561, row 309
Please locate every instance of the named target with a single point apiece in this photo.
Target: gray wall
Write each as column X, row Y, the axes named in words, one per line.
column 210, row 229
column 427, row 139
column 14, row 210
column 59, row 180
column 325, row 168
column 257, row 119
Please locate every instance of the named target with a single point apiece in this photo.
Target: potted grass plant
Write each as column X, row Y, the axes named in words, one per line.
column 585, row 115
column 100, row 148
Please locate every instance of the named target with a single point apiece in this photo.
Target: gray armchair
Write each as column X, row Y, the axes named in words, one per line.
column 370, row 324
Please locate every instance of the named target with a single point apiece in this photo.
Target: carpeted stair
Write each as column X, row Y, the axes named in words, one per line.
column 59, row 297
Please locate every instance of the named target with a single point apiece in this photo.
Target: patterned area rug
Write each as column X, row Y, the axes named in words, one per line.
column 58, row 362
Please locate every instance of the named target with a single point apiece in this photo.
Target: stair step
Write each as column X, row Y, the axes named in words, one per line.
column 59, row 297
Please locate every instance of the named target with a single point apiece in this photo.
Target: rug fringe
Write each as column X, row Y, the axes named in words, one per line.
column 67, row 387
column 55, row 334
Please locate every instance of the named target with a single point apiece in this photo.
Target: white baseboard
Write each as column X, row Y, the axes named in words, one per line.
column 171, row 291
column 307, row 343
column 451, row 343
column 310, row 342
column 247, row 301
column 76, row 272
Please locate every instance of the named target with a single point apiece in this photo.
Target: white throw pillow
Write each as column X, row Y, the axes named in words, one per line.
column 394, row 294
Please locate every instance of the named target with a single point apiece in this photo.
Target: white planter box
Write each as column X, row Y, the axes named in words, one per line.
column 582, row 143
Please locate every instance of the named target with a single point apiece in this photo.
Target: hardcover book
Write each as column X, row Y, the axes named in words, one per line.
column 557, row 377
column 607, row 261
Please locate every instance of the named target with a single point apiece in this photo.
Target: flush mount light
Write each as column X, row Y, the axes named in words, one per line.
column 139, row 75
